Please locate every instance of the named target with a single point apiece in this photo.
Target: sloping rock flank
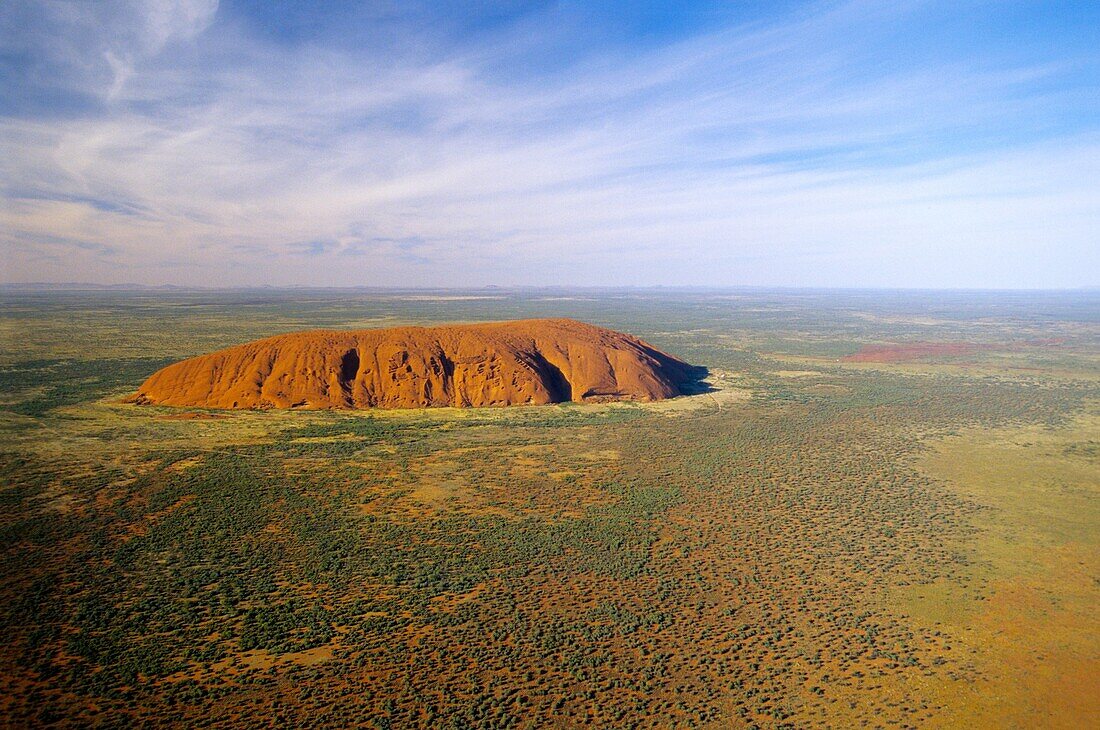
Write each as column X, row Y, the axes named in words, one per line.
column 501, row 363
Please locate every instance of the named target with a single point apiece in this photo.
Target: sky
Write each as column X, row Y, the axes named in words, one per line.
column 916, row 144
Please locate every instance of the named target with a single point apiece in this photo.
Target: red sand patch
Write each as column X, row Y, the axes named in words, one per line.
column 909, row 351
column 912, row 351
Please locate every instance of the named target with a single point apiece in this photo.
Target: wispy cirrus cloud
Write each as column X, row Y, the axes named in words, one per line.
column 821, row 146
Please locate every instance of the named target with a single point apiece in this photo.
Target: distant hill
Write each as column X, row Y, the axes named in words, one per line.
column 534, row 361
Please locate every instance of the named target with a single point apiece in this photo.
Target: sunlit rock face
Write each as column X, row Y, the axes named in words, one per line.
column 533, row 361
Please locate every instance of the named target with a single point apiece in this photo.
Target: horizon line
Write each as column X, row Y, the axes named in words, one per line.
column 90, row 286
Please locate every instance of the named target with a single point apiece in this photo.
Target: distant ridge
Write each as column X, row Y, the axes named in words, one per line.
column 533, row 361
column 87, row 286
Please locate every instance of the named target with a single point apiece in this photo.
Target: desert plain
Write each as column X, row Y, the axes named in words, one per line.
column 880, row 509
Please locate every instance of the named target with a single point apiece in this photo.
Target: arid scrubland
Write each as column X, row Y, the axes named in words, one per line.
column 852, row 527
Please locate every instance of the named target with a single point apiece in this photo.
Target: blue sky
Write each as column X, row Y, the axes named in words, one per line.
column 879, row 144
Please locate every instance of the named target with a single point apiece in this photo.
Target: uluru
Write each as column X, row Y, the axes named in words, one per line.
column 535, row 361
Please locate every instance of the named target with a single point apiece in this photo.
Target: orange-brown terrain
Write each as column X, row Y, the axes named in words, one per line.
column 535, row 361
column 911, row 351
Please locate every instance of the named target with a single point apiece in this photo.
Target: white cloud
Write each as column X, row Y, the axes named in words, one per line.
column 248, row 162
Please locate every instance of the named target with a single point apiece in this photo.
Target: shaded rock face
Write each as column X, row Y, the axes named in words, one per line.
column 501, row 363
